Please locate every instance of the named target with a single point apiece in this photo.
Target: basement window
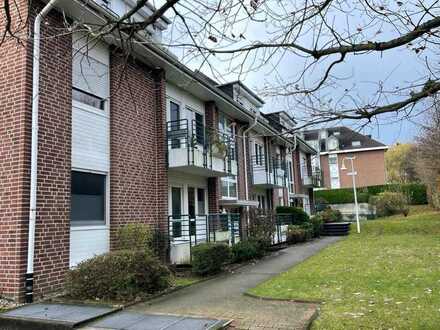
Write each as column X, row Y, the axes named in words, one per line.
column 87, row 199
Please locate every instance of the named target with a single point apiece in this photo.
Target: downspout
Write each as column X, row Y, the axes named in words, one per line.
column 29, row 278
column 245, row 153
column 245, row 131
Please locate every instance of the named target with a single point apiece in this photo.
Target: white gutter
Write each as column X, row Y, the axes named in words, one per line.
column 34, row 150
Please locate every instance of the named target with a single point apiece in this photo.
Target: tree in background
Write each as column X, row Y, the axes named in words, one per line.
column 400, row 163
column 428, row 151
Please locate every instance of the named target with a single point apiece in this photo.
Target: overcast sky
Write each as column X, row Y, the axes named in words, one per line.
column 361, row 73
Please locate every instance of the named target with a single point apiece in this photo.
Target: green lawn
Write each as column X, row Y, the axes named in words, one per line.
column 386, row 278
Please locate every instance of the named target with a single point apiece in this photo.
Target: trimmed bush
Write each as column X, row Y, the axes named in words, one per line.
column 135, row 236
column 330, row 215
column 295, row 234
column 209, row 258
column 389, row 203
column 317, row 223
column 416, row 193
column 293, row 215
column 247, row 250
column 120, row 275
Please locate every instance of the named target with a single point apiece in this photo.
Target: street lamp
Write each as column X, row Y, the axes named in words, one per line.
column 353, row 175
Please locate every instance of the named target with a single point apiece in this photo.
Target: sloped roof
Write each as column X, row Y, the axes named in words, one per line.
column 345, row 137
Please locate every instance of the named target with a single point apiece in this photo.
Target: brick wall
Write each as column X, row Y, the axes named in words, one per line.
column 15, row 108
column 53, row 197
column 138, row 170
column 370, row 166
column 54, row 157
column 211, row 117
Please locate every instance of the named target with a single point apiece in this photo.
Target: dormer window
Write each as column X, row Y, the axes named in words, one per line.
column 355, row 143
column 332, row 144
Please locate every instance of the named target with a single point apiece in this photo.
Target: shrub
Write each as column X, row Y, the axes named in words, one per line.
column 308, row 230
column 135, row 236
column 317, row 223
column 247, row 250
column 389, row 203
column 261, row 227
column 120, row 275
column 330, row 215
column 416, row 193
column 295, row 234
column 209, row 258
column 297, row 215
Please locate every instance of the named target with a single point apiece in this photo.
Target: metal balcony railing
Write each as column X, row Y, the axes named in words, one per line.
column 271, row 171
column 204, row 147
column 190, row 230
column 311, row 177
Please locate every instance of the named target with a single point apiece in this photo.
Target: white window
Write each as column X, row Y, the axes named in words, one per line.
column 90, row 72
column 88, row 199
column 334, row 171
column 259, row 154
column 226, row 127
column 229, row 187
column 356, row 143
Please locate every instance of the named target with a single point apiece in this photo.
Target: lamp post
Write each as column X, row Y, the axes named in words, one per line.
column 353, row 174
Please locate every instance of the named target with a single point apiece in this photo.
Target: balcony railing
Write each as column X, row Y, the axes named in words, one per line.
column 268, row 172
column 194, row 149
column 186, row 231
column 311, row 178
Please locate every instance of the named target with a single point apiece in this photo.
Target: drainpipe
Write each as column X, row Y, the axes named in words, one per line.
column 29, row 278
column 245, row 153
column 245, row 131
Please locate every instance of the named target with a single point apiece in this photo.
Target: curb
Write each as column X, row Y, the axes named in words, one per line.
column 301, row 301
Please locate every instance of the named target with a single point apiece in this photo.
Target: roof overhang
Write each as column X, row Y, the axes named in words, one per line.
column 177, row 73
column 354, row 150
column 237, row 203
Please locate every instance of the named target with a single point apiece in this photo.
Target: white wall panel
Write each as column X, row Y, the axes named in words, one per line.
column 90, row 140
column 87, row 242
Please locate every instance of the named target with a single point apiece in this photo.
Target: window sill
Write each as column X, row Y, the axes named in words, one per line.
column 90, row 227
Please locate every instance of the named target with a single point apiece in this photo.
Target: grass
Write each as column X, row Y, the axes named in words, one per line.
column 388, row 277
column 185, row 281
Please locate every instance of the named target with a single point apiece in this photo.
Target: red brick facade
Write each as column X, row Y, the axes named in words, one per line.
column 211, row 117
column 138, row 164
column 15, row 105
column 369, row 165
column 53, row 191
column 138, row 173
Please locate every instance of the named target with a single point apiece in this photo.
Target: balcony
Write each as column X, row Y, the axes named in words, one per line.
column 195, row 150
column 311, row 179
column 268, row 172
column 186, row 231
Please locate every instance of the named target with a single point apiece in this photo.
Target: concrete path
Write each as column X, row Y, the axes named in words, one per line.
column 223, row 298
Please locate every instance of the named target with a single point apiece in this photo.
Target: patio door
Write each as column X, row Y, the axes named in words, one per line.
column 176, row 211
column 198, row 125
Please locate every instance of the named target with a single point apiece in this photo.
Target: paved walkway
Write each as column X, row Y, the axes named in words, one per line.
column 223, row 297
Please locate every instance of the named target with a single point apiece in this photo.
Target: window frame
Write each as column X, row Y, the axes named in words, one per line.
column 106, row 101
column 106, row 224
column 229, row 180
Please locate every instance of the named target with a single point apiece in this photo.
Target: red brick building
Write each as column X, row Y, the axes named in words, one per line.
column 125, row 139
column 338, row 143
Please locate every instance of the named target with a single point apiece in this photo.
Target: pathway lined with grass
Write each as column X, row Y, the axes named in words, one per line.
column 388, row 277
column 222, row 297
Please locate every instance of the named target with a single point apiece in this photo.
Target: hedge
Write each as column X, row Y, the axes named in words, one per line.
column 416, row 193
